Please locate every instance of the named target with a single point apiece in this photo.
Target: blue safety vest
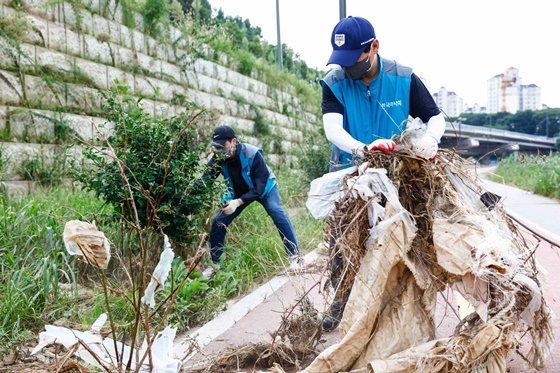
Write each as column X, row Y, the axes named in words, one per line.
column 374, row 112
column 247, row 154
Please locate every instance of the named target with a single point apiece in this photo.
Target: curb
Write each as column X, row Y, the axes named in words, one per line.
column 226, row 319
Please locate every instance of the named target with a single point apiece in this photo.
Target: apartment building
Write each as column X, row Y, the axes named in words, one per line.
column 449, row 102
column 506, row 93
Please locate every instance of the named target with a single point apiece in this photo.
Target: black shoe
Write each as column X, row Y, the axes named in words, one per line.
column 334, row 315
column 330, row 324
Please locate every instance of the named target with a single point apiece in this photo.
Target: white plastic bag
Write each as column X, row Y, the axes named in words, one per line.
column 325, row 190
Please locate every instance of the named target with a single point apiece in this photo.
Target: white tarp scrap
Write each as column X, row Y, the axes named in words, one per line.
column 103, row 349
column 388, row 323
column 85, row 240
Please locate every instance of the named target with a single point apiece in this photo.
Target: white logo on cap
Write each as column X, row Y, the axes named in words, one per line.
column 339, row 39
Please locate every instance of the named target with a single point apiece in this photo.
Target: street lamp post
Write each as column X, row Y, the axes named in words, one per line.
column 279, row 47
column 460, row 122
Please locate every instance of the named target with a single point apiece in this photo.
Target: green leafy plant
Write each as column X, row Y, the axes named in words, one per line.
column 161, row 158
column 153, row 12
column 36, row 168
column 315, row 157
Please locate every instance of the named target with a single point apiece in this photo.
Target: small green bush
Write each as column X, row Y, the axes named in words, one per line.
column 315, row 157
column 161, row 160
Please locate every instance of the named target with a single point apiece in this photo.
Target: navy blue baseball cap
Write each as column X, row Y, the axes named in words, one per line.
column 349, row 39
column 222, row 134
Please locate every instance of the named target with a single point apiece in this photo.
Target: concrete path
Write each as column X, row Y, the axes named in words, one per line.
column 253, row 318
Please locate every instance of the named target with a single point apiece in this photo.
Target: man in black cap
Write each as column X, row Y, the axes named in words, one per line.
column 367, row 101
column 249, row 179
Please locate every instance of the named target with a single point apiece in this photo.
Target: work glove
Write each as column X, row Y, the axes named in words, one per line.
column 386, row 146
column 231, row 207
column 425, row 147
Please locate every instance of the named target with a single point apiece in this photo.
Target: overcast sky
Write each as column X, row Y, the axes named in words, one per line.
column 455, row 44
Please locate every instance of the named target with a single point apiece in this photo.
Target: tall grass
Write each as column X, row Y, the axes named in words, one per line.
column 538, row 174
column 40, row 283
column 34, row 267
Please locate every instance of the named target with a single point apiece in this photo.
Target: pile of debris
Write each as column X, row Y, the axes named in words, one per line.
column 417, row 230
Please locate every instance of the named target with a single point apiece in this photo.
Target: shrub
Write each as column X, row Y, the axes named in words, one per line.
column 157, row 164
column 315, row 157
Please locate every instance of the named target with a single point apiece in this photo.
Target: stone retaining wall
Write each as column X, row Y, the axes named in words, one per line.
column 81, row 45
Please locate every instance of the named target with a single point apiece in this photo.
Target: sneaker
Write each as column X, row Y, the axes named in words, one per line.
column 297, row 264
column 210, row 271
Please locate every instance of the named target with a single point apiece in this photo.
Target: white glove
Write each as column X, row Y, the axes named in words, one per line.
column 425, row 147
column 386, row 146
column 231, row 207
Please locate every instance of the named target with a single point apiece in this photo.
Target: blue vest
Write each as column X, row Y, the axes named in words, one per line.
column 370, row 113
column 246, row 156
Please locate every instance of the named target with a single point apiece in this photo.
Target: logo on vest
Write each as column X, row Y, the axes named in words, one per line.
column 390, row 104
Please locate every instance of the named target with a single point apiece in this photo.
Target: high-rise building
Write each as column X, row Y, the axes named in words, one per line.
column 506, row 93
column 450, row 103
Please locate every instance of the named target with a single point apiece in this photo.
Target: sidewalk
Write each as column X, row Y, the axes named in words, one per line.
column 542, row 211
column 253, row 318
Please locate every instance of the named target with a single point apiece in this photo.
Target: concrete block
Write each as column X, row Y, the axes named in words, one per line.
column 127, row 37
column 35, row 7
column 96, row 51
column 163, row 90
column 33, row 126
column 43, row 94
column 123, row 56
column 17, row 154
column 39, row 34
column 65, row 14
column 100, row 26
column 115, row 32
column 148, row 106
column 3, row 123
column 138, row 42
column 142, row 86
column 44, row 57
column 74, row 43
column 56, row 36
column 163, row 110
column 117, row 76
column 81, row 126
column 148, row 63
column 11, row 89
column 170, row 71
column 93, row 5
column 83, row 98
column 95, row 71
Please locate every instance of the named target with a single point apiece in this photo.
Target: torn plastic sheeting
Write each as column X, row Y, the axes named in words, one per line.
column 469, row 247
column 160, row 273
column 104, row 349
column 84, row 239
column 324, row 191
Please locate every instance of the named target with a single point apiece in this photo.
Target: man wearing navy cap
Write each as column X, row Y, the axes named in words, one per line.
column 249, row 179
column 367, row 101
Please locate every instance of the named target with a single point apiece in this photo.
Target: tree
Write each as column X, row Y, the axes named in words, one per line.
column 150, row 169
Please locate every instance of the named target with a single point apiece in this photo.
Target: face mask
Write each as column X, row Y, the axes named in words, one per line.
column 359, row 69
column 225, row 152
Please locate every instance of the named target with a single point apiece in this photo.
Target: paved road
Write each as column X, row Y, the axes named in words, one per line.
column 253, row 318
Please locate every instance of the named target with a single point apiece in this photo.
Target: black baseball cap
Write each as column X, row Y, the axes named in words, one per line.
column 222, row 134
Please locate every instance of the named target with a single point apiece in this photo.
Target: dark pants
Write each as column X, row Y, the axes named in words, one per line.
column 273, row 206
column 337, row 263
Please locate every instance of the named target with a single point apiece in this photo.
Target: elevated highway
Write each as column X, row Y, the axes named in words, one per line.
column 482, row 142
